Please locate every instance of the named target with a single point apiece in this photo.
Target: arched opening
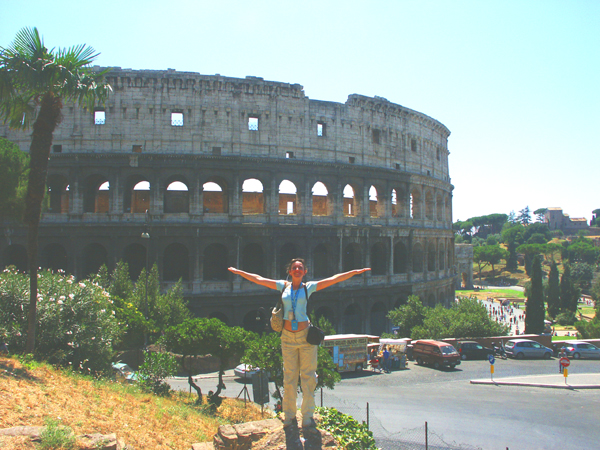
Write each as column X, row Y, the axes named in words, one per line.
column 135, row 257
column 417, row 258
column 401, row 301
column 288, row 198
column 429, row 205
column 177, row 198
column 352, row 258
column 352, row 320
column 378, row 319
column 252, row 197
column 350, row 206
column 400, row 258
column 214, row 197
column 58, row 194
column 321, row 267
column 441, row 258
column 215, row 263
column 55, row 257
column 415, row 205
column 94, row 256
column 325, row 312
column 287, row 252
column 320, row 199
column 176, row 262
column 431, row 254
column 439, row 203
column 16, row 255
column 253, row 259
column 375, row 209
column 137, row 197
column 397, row 210
column 255, row 321
column 378, row 259
column 96, row 195
column 219, row 315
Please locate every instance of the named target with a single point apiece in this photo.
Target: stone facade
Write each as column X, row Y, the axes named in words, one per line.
column 557, row 220
column 249, row 173
column 464, row 266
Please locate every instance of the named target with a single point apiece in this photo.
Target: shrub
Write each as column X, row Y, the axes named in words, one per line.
column 350, row 434
column 75, row 320
column 56, row 437
column 153, row 371
column 566, row 318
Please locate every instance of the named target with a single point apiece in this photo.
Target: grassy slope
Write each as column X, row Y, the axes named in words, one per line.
column 30, row 395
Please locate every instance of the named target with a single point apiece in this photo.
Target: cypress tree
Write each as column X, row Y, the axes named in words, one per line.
column 534, row 319
column 569, row 294
column 553, row 294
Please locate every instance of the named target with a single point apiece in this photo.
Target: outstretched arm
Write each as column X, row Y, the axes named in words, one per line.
column 326, row 282
column 266, row 282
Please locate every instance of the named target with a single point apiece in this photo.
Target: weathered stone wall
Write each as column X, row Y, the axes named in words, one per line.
column 397, row 218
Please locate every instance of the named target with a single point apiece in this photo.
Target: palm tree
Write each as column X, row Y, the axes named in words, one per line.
column 34, row 81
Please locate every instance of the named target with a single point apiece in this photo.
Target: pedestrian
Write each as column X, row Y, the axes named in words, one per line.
column 386, row 359
column 299, row 357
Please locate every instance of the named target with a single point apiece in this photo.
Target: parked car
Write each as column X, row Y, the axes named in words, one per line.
column 245, row 371
column 581, row 349
column 526, row 348
column 473, row 350
column 436, row 353
column 124, row 373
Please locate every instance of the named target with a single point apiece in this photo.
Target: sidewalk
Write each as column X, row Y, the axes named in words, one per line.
column 556, row 381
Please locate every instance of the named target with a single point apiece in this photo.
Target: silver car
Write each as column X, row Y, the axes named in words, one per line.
column 581, row 349
column 526, row 348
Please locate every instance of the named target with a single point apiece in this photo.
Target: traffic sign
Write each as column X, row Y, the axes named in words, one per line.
column 564, row 361
column 491, row 358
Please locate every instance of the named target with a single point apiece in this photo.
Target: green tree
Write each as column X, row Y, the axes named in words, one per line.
column 534, row 318
column 540, row 214
column 512, row 235
column 34, row 82
column 569, row 293
column 553, row 291
column 13, row 180
column 488, row 254
column 155, row 369
column 408, row 316
column 530, row 251
column 595, row 222
column 582, row 274
column 524, row 216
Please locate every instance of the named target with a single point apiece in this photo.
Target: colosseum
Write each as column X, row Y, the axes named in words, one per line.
column 197, row 173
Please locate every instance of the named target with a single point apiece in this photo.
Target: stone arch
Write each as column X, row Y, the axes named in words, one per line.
column 439, row 204
column 352, row 319
column 431, row 256
column 16, row 255
column 54, row 257
column 214, row 196
column 58, row 194
column 253, row 201
column 176, row 262
column 137, row 195
column 378, row 319
column 287, row 252
column 321, row 266
column 135, row 257
column 321, row 204
column 417, row 254
column 397, row 199
column 177, row 197
column 400, row 258
column 429, row 205
column 288, row 198
column 379, row 259
column 215, row 263
column 375, row 204
column 96, row 195
column 253, row 259
column 350, row 202
column 254, row 322
column 94, row 256
column 220, row 316
column 415, row 204
column 352, row 258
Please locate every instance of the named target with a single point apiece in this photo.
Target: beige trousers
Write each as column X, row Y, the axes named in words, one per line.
column 299, row 359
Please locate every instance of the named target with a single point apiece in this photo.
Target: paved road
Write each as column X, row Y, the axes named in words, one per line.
column 490, row 417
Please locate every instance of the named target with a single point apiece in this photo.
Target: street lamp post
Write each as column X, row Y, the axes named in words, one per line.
column 146, row 235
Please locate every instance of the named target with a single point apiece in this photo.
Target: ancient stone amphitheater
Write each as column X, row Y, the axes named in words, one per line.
column 197, row 173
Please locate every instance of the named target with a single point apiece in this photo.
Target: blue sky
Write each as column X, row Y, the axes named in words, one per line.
column 516, row 82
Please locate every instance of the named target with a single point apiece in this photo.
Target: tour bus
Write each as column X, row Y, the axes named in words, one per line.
column 349, row 351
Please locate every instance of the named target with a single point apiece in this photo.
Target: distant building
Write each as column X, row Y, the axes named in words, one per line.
column 557, row 220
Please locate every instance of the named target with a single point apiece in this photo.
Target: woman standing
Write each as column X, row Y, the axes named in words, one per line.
column 299, row 357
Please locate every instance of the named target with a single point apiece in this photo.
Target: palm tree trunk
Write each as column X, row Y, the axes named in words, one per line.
column 39, row 152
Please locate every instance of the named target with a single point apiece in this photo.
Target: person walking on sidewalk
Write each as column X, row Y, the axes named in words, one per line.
column 299, row 357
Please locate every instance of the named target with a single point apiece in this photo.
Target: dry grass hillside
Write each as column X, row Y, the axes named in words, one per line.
column 34, row 393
